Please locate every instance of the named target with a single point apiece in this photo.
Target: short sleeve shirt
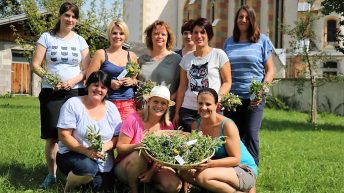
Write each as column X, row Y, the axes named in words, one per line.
column 74, row 116
column 202, row 72
column 163, row 72
column 63, row 57
column 247, row 63
column 133, row 128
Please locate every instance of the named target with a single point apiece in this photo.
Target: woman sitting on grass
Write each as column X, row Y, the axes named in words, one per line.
column 132, row 166
column 76, row 158
column 232, row 168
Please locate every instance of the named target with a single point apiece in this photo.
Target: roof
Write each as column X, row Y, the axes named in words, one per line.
column 15, row 18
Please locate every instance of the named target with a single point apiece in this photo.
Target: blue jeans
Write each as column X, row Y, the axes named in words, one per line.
column 82, row 165
column 248, row 120
column 186, row 118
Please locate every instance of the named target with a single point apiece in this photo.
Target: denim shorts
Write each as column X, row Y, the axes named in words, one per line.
column 247, row 178
column 79, row 164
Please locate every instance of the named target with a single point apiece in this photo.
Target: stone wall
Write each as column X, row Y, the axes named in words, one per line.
column 5, row 69
column 330, row 96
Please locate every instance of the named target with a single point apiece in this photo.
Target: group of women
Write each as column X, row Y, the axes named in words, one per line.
column 190, row 83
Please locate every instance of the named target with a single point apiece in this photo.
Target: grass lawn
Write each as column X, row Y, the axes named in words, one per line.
column 295, row 156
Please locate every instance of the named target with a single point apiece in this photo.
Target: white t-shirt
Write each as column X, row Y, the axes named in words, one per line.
column 74, row 116
column 63, row 57
column 202, row 72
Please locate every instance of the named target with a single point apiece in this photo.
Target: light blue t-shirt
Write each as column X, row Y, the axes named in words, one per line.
column 63, row 57
column 74, row 116
column 247, row 63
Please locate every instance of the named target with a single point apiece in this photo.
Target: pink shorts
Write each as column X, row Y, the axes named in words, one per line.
column 125, row 107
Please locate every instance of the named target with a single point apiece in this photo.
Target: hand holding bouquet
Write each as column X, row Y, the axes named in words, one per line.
column 230, row 101
column 259, row 91
column 94, row 138
column 52, row 79
column 144, row 88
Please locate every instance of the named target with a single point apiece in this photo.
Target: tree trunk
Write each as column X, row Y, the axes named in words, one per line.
column 314, row 111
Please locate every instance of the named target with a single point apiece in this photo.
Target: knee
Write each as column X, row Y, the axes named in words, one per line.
column 135, row 163
column 86, row 167
column 171, row 186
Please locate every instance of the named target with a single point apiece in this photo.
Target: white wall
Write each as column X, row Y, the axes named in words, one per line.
column 334, row 92
column 139, row 14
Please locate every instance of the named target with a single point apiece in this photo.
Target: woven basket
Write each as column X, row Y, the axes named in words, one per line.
column 176, row 166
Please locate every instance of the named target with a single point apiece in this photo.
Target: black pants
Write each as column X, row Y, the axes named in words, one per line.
column 248, row 120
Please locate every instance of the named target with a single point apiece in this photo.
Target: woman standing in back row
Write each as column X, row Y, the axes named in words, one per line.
column 250, row 54
column 113, row 61
column 66, row 55
column 206, row 67
column 160, row 64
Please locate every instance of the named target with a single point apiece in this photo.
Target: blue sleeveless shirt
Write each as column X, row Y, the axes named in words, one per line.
column 246, row 157
column 123, row 93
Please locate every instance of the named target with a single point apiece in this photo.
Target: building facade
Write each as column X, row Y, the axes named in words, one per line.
column 271, row 14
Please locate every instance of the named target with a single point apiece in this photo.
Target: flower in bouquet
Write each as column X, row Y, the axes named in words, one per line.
column 259, row 91
column 144, row 88
column 181, row 149
column 52, row 79
column 230, row 101
column 94, row 138
column 132, row 69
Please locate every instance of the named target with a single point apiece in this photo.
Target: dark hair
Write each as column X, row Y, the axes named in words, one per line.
column 187, row 26
column 208, row 27
column 171, row 40
column 253, row 33
column 99, row 76
column 63, row 9
column 211, row 92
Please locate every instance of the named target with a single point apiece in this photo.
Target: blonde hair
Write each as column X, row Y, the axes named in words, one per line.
column 164, row 120
column 119, row 23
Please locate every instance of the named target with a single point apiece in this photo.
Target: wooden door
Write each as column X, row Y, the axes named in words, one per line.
column 21, row 78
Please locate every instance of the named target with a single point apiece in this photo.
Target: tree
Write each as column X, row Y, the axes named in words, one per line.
column 337, row 6
column 42, row 15
column 9, row 7
column 303, row 46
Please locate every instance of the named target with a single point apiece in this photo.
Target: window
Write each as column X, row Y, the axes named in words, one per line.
column 303, row 6
column 302, row 46
column 330, row 65
column 330, row 68
column 19, row 56
column 331, row 30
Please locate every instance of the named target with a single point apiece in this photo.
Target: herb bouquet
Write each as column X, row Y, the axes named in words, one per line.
column 132, row 69
column 178, row 149
column 259, row 91
column 144, row 88
column 230, row 101
column 94, row 138
column 52, row 79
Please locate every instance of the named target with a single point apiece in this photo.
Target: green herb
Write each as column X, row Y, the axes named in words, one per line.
column 94, row 138
column 133, row 69
column 52, row 79
column 166, row 147
column 259, row 91
column 230, row 101
column 144, row 88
